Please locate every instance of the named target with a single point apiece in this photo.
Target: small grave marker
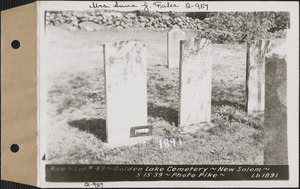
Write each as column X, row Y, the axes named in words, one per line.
column 174, row 37
column 141, row 131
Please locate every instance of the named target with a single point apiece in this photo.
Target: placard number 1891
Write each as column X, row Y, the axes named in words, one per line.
column 166, row 143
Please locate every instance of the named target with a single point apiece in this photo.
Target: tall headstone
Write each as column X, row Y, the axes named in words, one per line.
column 275, row 120
column 255, row 75
column 195, row 81
column 126, row 90
column 174, row 37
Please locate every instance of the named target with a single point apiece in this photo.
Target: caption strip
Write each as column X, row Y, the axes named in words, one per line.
column 90, row 173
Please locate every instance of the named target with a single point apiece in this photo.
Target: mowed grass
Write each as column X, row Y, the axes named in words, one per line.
column 76, row 105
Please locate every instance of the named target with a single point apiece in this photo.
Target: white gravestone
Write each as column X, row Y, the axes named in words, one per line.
column 174, row 37
column 126, row 89
column 195, row 81
column 255, row 74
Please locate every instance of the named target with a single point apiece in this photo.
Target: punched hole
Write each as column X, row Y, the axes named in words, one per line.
column 15, row 44
column 14, row 148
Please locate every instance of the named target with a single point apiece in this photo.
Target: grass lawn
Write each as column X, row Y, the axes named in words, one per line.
column 76, row 105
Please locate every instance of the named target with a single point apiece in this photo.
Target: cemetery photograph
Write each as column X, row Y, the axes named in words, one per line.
column 166, row 87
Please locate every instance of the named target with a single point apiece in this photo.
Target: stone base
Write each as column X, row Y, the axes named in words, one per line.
column 129, row 142
column 194, row 128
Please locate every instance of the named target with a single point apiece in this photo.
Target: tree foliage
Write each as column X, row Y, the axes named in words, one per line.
column 244, row 26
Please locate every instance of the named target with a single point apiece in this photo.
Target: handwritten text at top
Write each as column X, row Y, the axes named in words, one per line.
column 147, row 6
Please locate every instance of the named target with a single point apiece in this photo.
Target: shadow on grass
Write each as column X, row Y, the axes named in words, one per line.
column 167, row 113
column 228, row 103
column 96, row 127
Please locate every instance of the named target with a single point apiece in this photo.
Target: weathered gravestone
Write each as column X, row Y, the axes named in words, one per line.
column 174, row 37
column 275, row 120
column 195, row 81
column 126, row 91
column 255, row 75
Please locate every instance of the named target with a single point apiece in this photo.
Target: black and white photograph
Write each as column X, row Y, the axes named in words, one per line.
column 158, row 89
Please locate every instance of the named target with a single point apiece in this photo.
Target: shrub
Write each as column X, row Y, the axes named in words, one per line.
column 244, row 26
column 282, row 21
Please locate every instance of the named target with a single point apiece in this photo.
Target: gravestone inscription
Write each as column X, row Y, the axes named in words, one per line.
column 195, row 81
column 126, row 89
column 174, row 37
